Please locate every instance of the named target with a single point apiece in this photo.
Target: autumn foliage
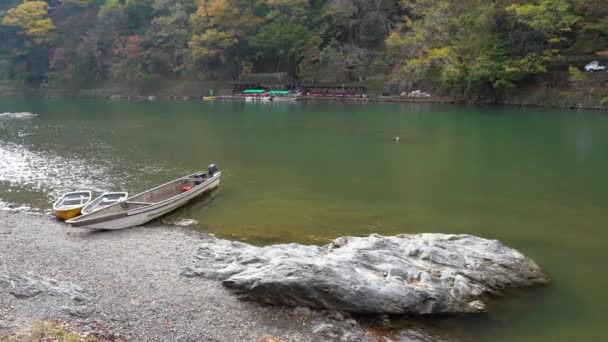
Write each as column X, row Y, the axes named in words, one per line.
column 463, row 46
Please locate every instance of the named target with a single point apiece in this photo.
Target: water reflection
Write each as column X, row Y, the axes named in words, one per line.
column 309, row 172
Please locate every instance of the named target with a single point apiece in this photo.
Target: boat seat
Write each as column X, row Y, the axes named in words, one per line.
column 139, row 203
column 125, row 204
column 193, row 179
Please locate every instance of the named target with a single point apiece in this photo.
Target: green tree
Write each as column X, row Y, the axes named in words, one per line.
column 287, row 29
column 168, row 36
column 220, row 30
column 592, row 30
column 551, row 18
column 575, row 74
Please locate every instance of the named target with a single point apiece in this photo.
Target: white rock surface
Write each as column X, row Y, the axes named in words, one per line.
column 405, row 274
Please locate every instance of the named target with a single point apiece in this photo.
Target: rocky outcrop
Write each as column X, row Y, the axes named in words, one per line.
column 404, row 274
column 26, row 286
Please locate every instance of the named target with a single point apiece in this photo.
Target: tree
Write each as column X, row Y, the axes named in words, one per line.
column 220, row 30
column 288, row 27
column 32, row 18
column 71, row 62
column 127, row 53
column 140, row 11
column 361, row 22
column 552, row 19
column 592, row 30
column 167, row 38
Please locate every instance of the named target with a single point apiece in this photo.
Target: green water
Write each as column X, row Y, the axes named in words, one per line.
column 309, row 172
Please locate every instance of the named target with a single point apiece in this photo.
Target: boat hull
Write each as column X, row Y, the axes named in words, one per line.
column 285, row 99
column 146, row 214
column 68, row 214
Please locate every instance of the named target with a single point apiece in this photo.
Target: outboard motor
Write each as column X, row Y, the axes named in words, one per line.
column 212, row 169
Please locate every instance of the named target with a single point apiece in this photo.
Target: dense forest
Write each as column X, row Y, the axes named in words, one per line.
column 462, row 46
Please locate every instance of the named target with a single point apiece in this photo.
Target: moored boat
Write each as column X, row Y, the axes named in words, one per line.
column 284, row 99
column 263, row 98
column 70, row 205
column 150, row 204
column 105, row 200
column 283, row 96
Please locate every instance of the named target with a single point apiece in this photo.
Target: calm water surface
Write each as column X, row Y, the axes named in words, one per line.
column 309, row 172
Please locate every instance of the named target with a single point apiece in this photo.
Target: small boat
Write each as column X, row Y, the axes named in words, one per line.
column 258, row 98
column 150, row 204
column 105, row 200
column 70, row 205
column 284, row 99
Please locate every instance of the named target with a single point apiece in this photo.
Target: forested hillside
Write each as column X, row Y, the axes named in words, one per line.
column 458, row 46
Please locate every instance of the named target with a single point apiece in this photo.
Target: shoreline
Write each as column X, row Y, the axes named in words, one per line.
column 331, row 99
column 128, row 285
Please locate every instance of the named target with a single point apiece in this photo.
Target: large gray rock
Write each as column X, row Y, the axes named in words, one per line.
column 413, row 274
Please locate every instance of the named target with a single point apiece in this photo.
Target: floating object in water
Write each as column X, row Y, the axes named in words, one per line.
column 11, row 207
column 261, row 98
column 185, row 222
column 396, row 139
column 70, row 205
column 105, row 200
column 284, row 99
column 148, row 205
column 19, row 115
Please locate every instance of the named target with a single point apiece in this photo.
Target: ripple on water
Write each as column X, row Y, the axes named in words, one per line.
column 18, row 115
column 6, row 206
column 51, row 174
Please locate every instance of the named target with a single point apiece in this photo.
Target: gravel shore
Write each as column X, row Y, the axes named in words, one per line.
column 127, row 285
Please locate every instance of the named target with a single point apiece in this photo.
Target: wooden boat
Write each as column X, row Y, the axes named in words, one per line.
column 148, row 205
column 258, row 98
column 70, row 205
column 105, row 200
column 283, row 96
column 284, row 99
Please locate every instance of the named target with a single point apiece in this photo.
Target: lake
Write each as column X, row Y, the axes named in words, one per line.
column 310, row 172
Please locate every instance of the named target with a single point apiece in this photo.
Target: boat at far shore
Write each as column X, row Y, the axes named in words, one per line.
column 70, row 205
column 150, row 204
column 284, row 99
column 258, row 98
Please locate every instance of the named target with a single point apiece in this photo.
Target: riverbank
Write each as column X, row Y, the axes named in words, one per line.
column 127, row 285
column 544, row 91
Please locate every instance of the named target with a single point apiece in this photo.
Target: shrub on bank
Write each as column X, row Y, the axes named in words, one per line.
column 576, row 75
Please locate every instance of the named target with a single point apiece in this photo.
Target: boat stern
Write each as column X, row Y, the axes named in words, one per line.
column 67, row 214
